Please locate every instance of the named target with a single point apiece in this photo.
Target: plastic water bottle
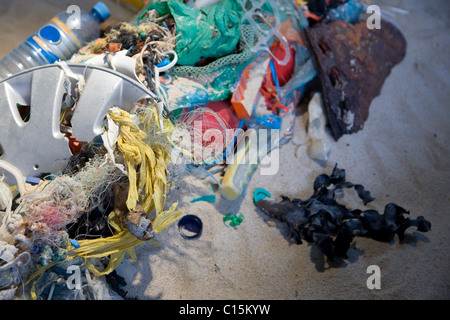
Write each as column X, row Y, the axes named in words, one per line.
column 59, row 39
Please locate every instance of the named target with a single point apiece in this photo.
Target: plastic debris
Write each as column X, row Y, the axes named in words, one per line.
column 211, row 198
column 348, row 12
column 32, row 180
column 320, row 8
column 248, row 86
column 190, row 227
column 74, row 243
column 318, row 147
column 235, row 219
column 209, row 32
column 14, row 269
column 239, row 171
column 205, row 133
column 260, row 194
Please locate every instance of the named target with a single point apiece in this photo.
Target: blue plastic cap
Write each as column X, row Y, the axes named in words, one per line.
column 101, row 11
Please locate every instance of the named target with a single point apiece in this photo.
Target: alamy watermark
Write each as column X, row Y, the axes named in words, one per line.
column 374, row 20
column 74, row 19
column 73, row 282
column 374, row 280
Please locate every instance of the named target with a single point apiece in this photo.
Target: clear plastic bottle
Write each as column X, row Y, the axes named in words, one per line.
column 59, row 39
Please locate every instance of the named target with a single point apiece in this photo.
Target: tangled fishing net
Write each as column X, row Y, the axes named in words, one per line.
column 62, row 201
column 51, row 224
column 202, row 135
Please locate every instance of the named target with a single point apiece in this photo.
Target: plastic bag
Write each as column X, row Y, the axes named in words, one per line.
column 209, row 32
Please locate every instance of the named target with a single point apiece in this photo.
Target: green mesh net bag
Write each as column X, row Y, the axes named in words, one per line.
column 220, row 76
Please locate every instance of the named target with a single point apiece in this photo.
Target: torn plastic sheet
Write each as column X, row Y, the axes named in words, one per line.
column 304, row 72
column 118, row 61
column 184, row 92
column 348, row 12
column 236, row 219
column 332, row 226
column 52, row 284
column 209, row 32
column 14, row 271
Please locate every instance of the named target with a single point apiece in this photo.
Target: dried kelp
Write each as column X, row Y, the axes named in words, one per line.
column 330, row 225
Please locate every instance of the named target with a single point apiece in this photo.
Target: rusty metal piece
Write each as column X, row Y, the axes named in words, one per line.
column 353, row 62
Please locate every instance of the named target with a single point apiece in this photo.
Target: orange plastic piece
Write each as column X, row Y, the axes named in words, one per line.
column 75, row 146
column 238, row 96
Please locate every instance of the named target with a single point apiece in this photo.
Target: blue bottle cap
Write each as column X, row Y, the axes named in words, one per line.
column 101, row 11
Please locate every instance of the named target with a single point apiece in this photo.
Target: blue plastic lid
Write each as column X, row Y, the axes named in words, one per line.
column 101, row 11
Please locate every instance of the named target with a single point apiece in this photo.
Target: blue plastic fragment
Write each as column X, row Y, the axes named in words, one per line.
column 163, row 63
column 32, row 180
column 74, row 243
column 270, row 121
column 348, row 12
column 274, row 73
column 260, row 194
column 208, row 198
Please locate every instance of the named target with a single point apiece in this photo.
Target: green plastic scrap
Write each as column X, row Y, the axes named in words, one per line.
column 211, row 198
column 235, row 219
column 210, row 32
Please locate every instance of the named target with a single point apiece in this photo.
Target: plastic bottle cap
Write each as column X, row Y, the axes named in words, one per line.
column 190, row 226
column 101, row 11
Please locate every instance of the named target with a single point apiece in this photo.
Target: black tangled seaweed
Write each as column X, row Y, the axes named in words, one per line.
column 330, row 225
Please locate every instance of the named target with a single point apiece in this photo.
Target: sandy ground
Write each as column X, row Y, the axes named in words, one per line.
column 402, row 155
